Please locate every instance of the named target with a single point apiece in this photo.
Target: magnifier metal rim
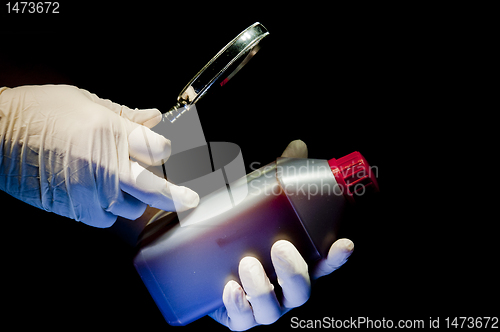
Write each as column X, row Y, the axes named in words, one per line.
column 243, row 42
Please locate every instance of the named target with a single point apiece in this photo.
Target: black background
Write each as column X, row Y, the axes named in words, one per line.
column 370, row 79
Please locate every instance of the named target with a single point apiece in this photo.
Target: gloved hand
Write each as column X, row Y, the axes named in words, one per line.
column 65, row 150
column 256, row 302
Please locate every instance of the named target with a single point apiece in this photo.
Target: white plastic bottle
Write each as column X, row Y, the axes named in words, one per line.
column 185, row 267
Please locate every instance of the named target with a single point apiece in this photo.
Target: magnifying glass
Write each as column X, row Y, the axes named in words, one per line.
column 223, row 66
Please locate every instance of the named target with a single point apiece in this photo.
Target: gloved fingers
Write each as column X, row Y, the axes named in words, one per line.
column 259, row 290
column 156, row 191
column 296, row 149
column 147, row 146
column 236, row 313
column 292, row 272
column 129, row 207
column 338, row 254
column 147, row 117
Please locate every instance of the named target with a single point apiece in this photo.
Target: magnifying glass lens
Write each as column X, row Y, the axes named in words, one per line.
column 221, row 68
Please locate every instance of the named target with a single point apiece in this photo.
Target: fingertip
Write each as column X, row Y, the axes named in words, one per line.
column 155, row 117
column 296, row 149
column 344, row 244
column 286, row 258
column 249, row 263
column 292, row 272
column 281, row 246
column 339, row 253
column 183, row 197
column 259, row 291
column 253, row 277
column 234, row 297
column 239, row 315
column 232, row 285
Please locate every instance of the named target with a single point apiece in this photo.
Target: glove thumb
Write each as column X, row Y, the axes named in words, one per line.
column 147, row 117
column 296, row 149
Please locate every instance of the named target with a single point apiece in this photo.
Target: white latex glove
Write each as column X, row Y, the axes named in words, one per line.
column 256, row 303
column 65, row 150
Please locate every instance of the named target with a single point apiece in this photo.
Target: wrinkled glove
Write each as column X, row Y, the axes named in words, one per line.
column 255, row 302
column 65, row 150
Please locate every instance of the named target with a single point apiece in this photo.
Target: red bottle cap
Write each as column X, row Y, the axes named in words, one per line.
column 354, row 175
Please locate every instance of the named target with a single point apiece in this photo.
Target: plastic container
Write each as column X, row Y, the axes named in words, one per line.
column 185, row 267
